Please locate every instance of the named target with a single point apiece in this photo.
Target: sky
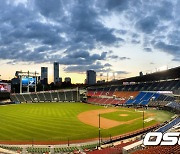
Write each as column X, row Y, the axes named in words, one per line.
column 122, row 37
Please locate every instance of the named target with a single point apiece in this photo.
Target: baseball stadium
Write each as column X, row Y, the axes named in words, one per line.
column 89, row 77
column 109, row 117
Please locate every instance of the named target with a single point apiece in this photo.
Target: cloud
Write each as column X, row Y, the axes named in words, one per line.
column 121, row 72
column 80, row 58
column 169, row 48
column 174, row 37
column 107, row 65
column 70, row 31
column 98, row 67
column 124, row 58
column 176, row 59
column 115, row 5
column 134, row 41
column 116, row 57
column 147, row 25
column 164, row 10
column 40, row 31
column 50, row 9
column 148, row 49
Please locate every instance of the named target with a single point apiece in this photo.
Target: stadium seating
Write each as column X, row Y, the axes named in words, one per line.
column 41, row 97
column 20, row 98
column 148, row 86
column 37, row 150
column 69, row 96
column 33, row 96
column 48, row 96
column 174, row 105
column 157, row 103
column 128, row 98
column 112, row 150
column 27, row 97
column 12, row 148
column 62, row 96
column 54, row 96
column 89, row 147
column 90, row 93
column 14, row 98
column 65, row 150
column 143, row 98
column 129, row 94
column 75, row 96
column 169, row 125
column 160, row 150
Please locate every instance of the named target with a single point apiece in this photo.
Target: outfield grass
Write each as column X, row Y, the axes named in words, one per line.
column 58, row 121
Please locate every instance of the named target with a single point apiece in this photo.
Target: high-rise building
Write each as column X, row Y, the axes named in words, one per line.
column 140, row 73
column 44, row 75
column 90, row 77
column 60, row 80
column 67, row 80
column 56, row 72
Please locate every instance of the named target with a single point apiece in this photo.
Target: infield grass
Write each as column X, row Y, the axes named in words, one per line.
column 58, row 121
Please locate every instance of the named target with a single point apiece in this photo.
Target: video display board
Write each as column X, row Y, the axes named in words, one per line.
column 32, row 81
column 5, row 87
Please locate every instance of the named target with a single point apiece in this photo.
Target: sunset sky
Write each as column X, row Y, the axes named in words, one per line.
column 120, row 36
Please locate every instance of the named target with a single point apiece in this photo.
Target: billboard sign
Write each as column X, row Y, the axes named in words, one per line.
column 5, row 87
column 31, row 80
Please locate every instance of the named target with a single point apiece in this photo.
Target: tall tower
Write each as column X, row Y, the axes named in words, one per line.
column 90, row 77
column 56, row 72
column 44, row 75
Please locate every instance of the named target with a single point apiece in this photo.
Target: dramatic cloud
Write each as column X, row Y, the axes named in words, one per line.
column 82, row 58
column 98, row 67
column 169, row 48
column 71, row 31
column 147, row 25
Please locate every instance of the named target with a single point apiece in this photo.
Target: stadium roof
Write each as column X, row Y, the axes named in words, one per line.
column 173, row 73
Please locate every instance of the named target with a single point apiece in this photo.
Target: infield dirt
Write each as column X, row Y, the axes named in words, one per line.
column 92, row 118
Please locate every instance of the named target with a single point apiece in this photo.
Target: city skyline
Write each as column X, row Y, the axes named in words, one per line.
column 124, row 37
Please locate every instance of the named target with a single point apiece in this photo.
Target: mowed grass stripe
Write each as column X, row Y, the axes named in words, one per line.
column 29, row 130
column 56, row 121
column 28, row 126
column 36, row 131
column 31, row 120
column 44, row 125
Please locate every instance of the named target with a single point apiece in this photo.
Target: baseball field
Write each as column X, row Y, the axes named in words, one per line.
column 71, row 121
